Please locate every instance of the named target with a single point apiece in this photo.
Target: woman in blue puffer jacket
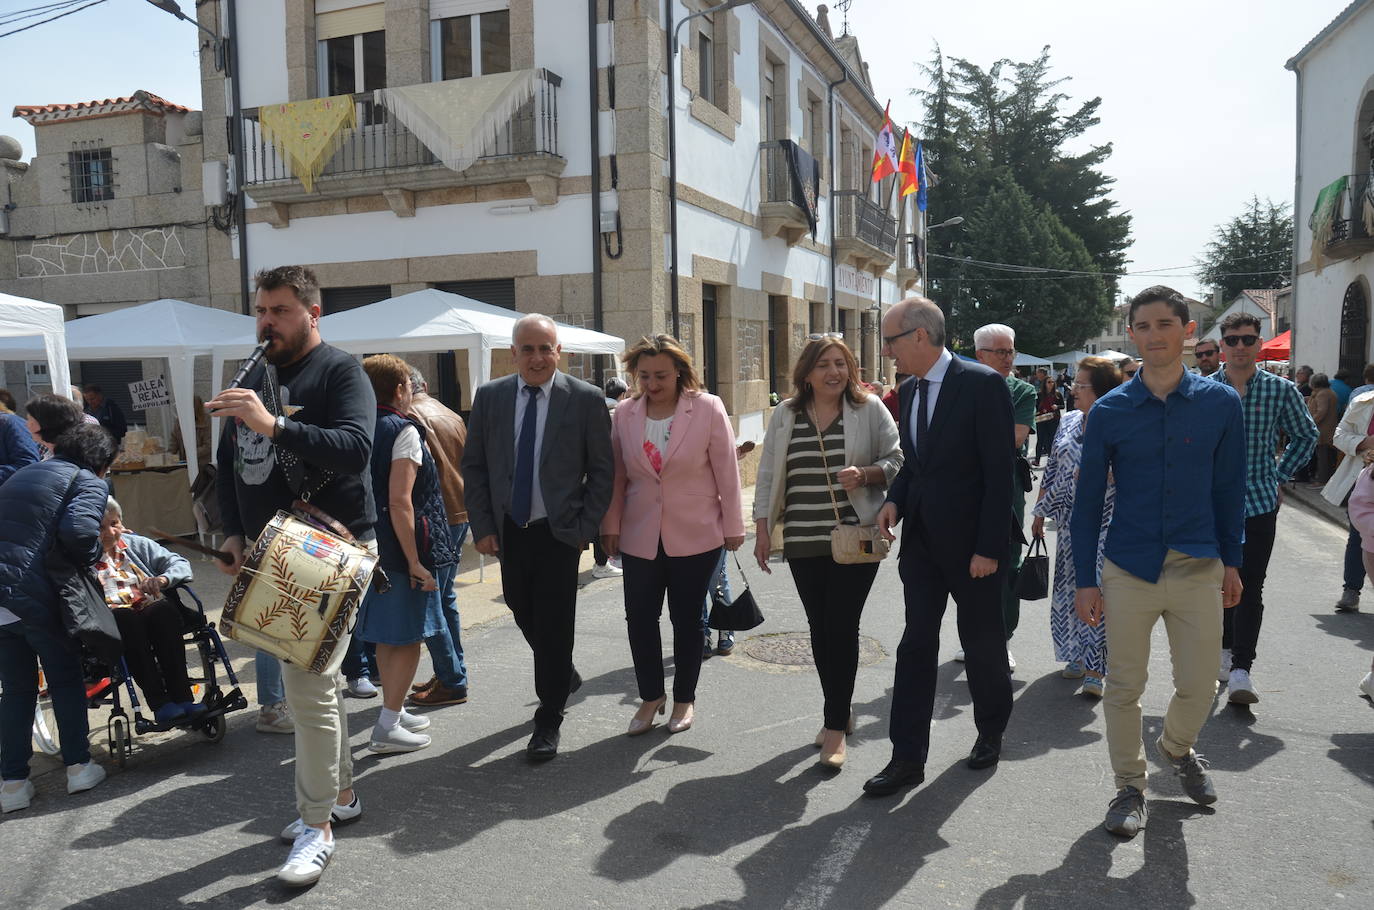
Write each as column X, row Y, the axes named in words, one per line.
column 60, row 501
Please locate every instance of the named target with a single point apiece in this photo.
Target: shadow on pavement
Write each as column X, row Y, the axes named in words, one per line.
column 1049, row 715
column 1358, row 627
column 1355, row 753
column 1231, row 741
column 1083, row 879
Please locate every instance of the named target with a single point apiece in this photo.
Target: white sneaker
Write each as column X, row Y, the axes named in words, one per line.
column 310, row 853
column 338, row 815
column 84, row 777
column 1242, row 690
column 1224, row 669
column 397, row 739
column 607, row 571
column 1366, row 687
column 19, row 797
column 276, row 718
column 1011, row 662
column 959, row 655
column 414, row 722
column 362, row 687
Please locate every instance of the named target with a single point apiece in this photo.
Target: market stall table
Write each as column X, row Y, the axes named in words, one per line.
column 155, row 497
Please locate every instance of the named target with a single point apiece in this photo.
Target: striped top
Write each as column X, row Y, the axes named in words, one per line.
column 808, row 514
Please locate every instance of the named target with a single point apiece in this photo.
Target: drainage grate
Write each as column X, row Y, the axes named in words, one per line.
column 793, row 649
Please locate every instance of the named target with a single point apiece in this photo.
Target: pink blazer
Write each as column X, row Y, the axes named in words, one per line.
column 694, row 504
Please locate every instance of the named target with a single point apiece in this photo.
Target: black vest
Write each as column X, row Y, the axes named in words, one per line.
column 431, row 521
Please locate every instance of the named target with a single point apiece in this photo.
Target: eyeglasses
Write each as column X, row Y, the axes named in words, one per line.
column 820, row 336
column 888, row 339
column 1082, row 385
column 1130, row 372
column 1000, row 352
column 1212, row 353
column 1236, row 340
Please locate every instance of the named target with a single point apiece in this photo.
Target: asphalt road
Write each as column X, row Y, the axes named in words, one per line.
column 735, row 812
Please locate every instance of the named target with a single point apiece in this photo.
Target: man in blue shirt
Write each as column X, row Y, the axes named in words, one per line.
column 1271, row 405
column 1175, row 444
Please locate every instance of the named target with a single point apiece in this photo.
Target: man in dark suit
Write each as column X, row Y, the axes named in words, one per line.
column 537, row 475
column 953, row 494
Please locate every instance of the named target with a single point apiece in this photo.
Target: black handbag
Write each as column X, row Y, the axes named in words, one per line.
column 81, row 605
column 1033, row 581
column 738, row 615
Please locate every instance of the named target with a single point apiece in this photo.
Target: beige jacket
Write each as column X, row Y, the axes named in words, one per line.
column 447, row 435
column 870, row 438
column 1349, row 434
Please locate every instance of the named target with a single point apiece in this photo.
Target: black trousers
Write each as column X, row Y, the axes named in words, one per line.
column 539, row 581
column 1240, row 625
column 684, row 579
column 833, row 597
column 1044, row 437
column 978, row 602
column 154, row 652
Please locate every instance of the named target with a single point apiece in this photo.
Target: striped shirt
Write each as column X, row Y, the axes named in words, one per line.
column 808, row 513
column 1272, row 404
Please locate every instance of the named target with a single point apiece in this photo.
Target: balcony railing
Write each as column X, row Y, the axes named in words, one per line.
column 911, row 257
column 860, row 218
column 380, row 142
column 1352, row 225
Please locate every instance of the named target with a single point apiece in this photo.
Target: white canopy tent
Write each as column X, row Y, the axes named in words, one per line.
column 1030, row 360
column 1115, row 355
column 172, row 329
column 1070, row 357
column 434, row 320
column 38, row 328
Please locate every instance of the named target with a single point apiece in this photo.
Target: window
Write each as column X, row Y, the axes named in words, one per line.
column 706, row 61
column 349, row 64
column 91, row 174
column 476, row 45
column 815, row 127
column 708, row 337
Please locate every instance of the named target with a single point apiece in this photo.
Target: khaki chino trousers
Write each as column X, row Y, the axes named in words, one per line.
column 1188, row 598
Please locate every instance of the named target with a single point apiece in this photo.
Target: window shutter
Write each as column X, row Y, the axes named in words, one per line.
column 496, row 291
column 356, row 20
column 443, row 9
column 338, row 300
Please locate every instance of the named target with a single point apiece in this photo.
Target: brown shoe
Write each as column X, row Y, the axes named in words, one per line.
column 421, row 687
column 440, row 694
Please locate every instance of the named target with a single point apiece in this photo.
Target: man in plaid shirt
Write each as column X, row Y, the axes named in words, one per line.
column 1271, row 405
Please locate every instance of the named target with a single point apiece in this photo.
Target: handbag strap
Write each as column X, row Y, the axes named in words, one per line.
column 742, row 577
column 825, row 465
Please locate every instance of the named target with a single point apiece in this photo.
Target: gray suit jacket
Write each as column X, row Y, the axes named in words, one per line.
column 576, row 468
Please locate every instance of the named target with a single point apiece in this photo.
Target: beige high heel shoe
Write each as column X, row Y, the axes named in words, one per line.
column 684, row 723
column 848, row 731
column 833, row 759
column 639, row 727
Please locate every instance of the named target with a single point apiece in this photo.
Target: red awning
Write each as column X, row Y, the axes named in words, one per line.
column 1279, row 348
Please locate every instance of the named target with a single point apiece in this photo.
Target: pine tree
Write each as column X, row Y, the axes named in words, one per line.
column 1252, row 250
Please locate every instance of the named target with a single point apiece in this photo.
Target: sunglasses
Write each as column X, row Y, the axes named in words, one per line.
column 1233, row 341
column 820, row 336
column 1211, row 353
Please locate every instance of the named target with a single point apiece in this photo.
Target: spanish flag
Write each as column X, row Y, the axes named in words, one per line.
column 885, row 148
column 906, row 166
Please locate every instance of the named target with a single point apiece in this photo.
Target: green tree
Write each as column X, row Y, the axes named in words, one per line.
column 1252, row 250
column 997, row 131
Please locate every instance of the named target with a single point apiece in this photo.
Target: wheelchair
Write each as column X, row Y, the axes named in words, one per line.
column 104, row 682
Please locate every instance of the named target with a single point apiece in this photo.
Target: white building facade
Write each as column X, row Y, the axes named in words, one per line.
column 760, row 91
column 1334, row 277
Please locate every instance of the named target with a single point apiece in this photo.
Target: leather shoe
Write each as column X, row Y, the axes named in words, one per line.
column 986, row 751
column 895, row 776
column 575, row 683
column 543, row 744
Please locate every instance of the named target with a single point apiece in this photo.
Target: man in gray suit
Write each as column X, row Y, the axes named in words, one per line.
column 537, row 473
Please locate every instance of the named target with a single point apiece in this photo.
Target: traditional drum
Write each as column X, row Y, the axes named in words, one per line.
column 297, row 592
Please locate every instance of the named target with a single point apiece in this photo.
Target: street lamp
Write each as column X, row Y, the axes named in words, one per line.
column 673, row 33
column 948, row 222
column 174, row 8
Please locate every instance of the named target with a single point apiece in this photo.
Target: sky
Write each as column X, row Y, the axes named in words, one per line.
column 1195, row 98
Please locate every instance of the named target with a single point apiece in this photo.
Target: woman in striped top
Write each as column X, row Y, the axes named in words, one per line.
column 860, row 457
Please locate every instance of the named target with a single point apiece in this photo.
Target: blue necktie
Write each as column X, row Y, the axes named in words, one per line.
column 523, row 489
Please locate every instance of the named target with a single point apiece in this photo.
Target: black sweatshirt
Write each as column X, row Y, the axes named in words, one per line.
column 330, row 412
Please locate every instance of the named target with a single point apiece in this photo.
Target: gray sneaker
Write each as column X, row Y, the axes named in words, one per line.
column 1349, row 602
column 1126, row 813
column 275, row 718
column 1192, row 771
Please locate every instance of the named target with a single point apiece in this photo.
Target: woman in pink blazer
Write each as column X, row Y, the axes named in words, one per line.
column 676, row 502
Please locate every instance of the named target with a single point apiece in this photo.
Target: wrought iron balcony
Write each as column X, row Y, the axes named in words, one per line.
column 911, row 260
column 380, row 153
column 1352, row 223
column 863, row 231
column 791, row 184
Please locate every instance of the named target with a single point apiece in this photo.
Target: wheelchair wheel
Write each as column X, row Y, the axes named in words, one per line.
column 45, row 728
column 214, row 728
column 119, row 742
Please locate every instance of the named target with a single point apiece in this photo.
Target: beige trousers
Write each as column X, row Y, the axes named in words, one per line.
column 1188, row 597
column 324, row 763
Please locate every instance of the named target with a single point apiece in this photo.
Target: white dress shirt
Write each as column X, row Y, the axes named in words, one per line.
column 537, row 509
column 936, row 377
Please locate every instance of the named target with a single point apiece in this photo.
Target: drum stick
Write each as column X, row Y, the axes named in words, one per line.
column 193, row 546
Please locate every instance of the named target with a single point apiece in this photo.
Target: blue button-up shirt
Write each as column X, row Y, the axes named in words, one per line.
column 1179, row 467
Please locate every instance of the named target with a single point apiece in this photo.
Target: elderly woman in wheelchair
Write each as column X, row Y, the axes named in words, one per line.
column 136, row 573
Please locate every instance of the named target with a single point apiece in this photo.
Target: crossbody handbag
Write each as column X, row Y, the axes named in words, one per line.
column 849, row 544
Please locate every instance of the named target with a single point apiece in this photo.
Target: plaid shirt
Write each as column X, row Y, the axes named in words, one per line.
column 120, row 577
column 1271, row 405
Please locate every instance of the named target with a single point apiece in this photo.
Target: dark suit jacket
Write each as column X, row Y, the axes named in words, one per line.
column 576, row 469
column 960, row 494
